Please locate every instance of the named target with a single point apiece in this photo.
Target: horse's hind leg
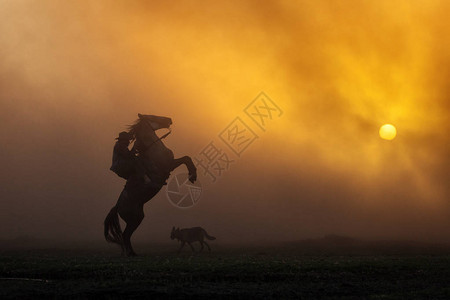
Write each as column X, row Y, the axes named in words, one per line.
column 132, row 223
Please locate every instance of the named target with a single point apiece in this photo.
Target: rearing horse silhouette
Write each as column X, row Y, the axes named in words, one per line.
column 158, row 161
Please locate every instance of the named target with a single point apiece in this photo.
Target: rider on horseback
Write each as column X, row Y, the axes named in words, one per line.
column 123, row 161
column 147, row 167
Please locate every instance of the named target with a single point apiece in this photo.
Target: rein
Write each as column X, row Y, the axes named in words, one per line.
column 159, row 139
column 164, row 136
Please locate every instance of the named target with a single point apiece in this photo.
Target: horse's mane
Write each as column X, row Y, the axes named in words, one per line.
column 133, row 129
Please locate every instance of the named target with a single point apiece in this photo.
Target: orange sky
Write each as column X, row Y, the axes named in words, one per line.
column 72, row 75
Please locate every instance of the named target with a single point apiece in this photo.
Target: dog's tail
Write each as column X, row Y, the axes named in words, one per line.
column 208, row 236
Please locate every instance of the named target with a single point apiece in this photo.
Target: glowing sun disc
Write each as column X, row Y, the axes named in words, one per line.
column 388, row 132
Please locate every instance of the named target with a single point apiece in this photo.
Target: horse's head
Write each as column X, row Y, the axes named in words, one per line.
column 156, row 122
column 143, row 130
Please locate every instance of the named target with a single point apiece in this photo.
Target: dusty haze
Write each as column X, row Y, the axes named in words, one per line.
column 74, row 74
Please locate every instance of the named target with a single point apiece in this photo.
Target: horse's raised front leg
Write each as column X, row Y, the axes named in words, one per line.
column 186, row 160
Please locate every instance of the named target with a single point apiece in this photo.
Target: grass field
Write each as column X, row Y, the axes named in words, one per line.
column 241, row 273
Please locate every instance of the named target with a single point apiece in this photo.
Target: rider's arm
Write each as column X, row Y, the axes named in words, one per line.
column 133, row 150
column 122, row 150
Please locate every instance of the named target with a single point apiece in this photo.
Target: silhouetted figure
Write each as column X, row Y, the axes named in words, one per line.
column 156, row 161
column 189, row 235
column 123, row 161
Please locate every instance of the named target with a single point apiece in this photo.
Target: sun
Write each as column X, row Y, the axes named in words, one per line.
column 388, row 132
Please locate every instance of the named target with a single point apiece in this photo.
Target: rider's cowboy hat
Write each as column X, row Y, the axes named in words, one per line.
column 124, row 136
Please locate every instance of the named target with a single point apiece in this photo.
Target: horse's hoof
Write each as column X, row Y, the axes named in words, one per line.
column 192, row 177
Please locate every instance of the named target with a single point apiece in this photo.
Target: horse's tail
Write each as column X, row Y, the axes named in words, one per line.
column 113, row 232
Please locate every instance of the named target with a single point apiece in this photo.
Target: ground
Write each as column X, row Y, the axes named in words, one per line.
column 241, row 273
